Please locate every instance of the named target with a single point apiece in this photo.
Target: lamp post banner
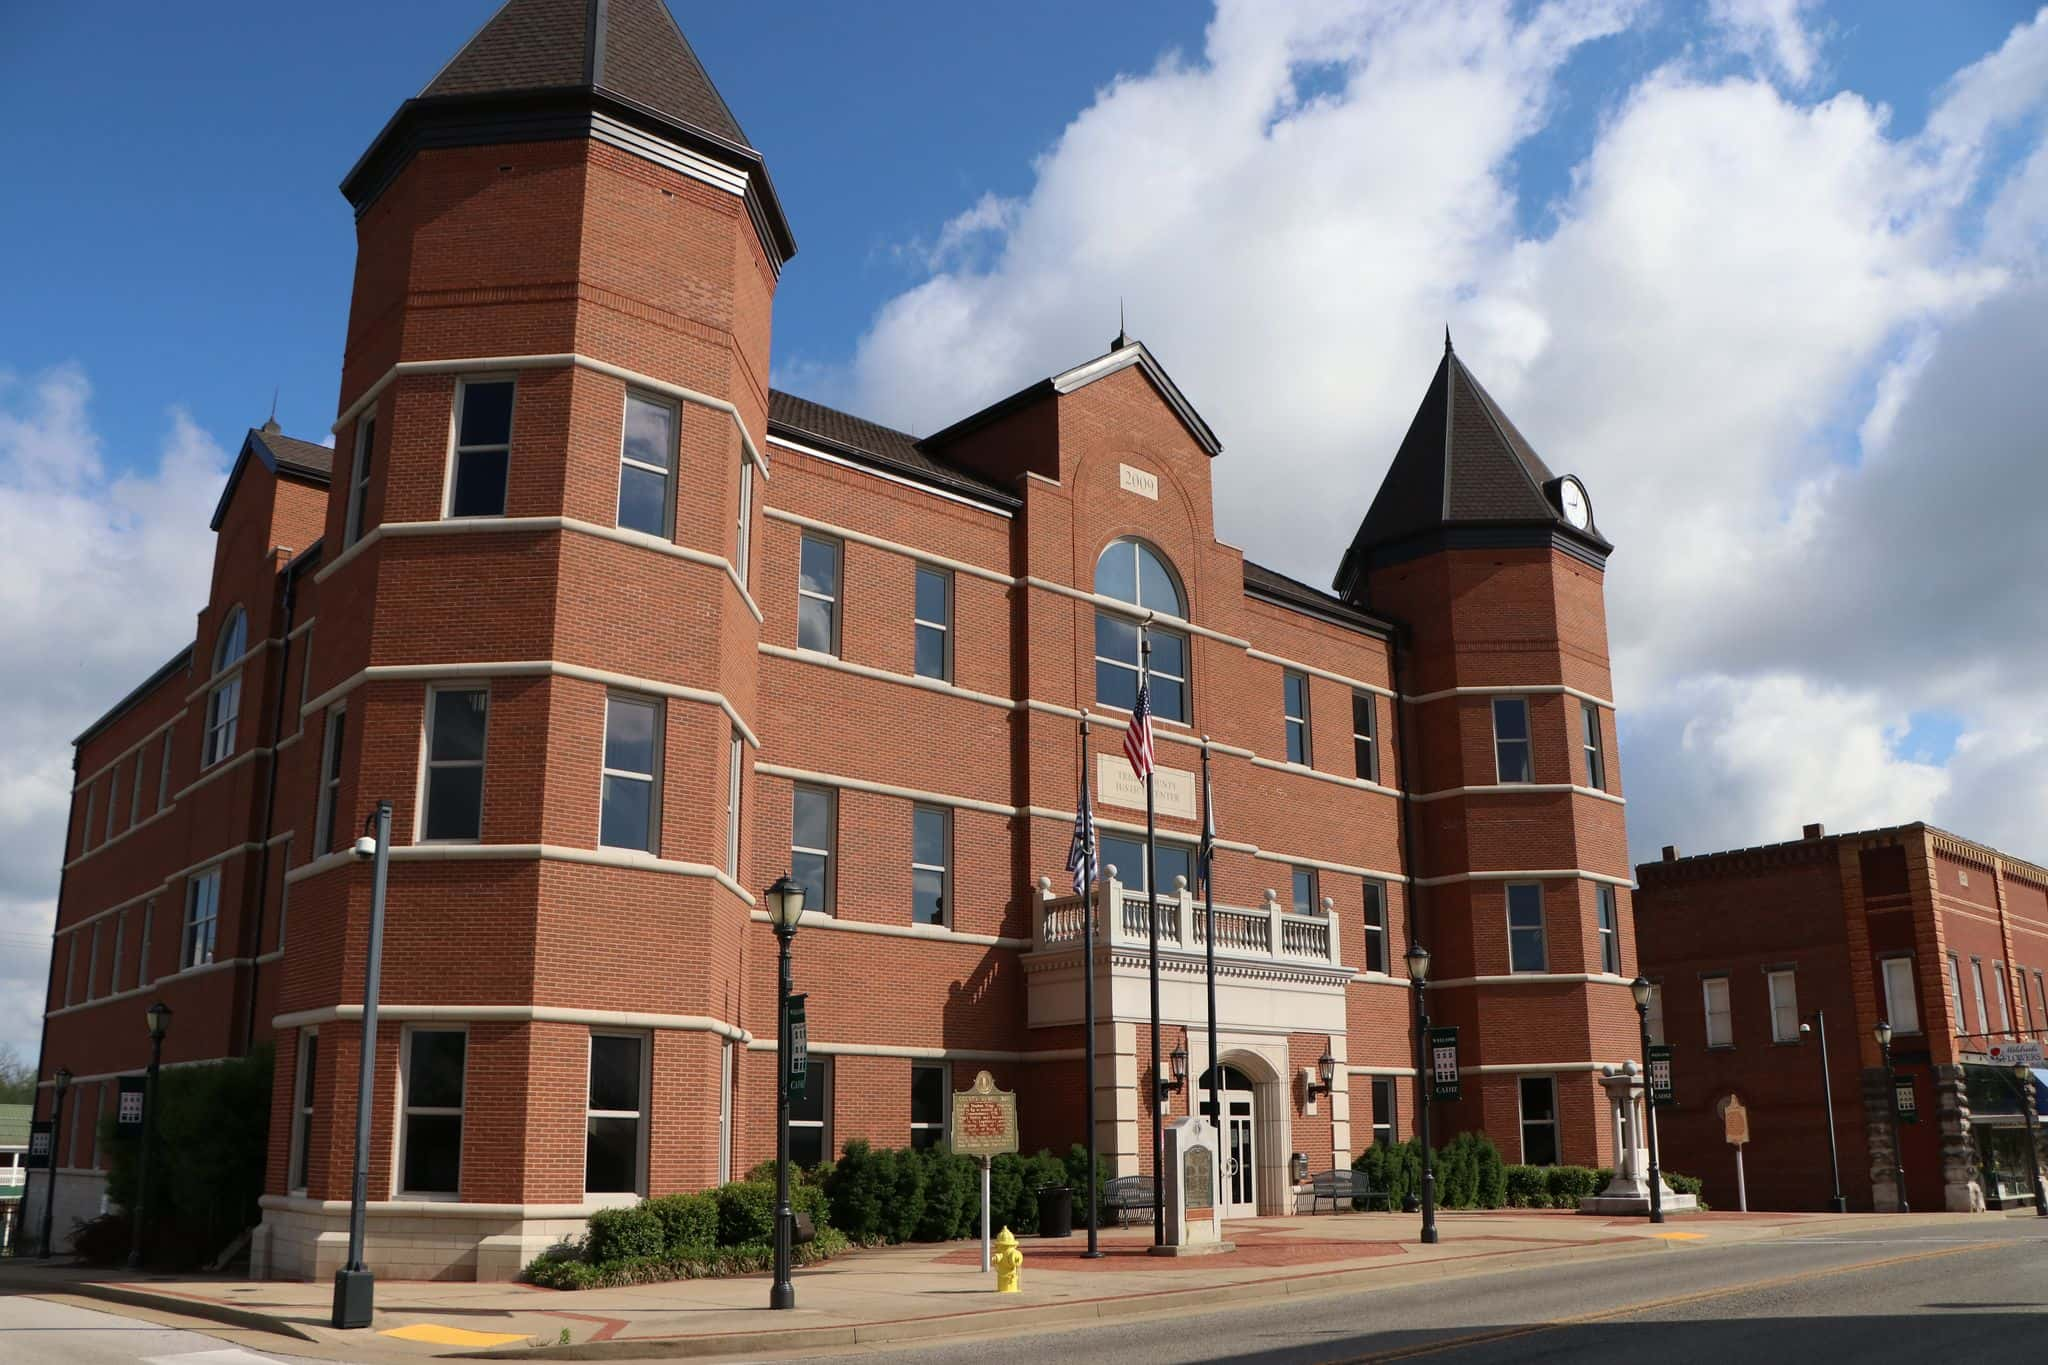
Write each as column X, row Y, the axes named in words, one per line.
column 38, row 1146
column 128, row 1116
column 1902, row 1090
column 1661, row 1093
column 1444, row 1080
column 799, row 1047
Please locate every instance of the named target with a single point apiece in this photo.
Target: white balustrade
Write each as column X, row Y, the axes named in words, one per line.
column 1270, row 932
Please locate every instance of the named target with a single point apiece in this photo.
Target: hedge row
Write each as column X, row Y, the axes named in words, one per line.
column 726, row 1231
column 931, row 1195
column 1471, row 1175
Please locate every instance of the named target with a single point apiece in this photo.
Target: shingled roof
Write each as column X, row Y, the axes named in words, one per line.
column 865, row 442
column 1462, row 464
column 630, row 48
column 283, row 455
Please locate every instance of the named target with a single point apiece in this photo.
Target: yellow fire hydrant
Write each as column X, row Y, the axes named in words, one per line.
column 1009, row 1264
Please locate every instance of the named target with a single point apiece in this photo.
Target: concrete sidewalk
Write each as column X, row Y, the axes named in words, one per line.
column 914, row 1293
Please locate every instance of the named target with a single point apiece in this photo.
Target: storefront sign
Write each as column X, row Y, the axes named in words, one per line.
column 2015, row 1054
column 799, row 1035
column 1173, row 792
column 1909, row 1108
column 128, row 1116
column 38, row 1146
column 984, row 1119
column 1661, row 1093
column 1443, row 1064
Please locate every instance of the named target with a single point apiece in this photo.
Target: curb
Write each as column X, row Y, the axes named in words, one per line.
column 179, row 1305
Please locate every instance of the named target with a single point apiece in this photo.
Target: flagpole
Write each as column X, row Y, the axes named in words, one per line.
column 1209, row 919
column 1089, row 892
column 1152, row 954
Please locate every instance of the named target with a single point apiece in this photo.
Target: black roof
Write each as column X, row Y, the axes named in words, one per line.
column 286, row 456
column 867, row 442
column 1262, row 582
column 1462, row 464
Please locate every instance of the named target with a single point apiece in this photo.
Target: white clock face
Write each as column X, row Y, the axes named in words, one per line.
column 1573, row 497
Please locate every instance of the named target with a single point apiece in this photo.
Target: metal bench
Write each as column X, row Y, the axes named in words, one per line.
column 1125, row 1194
column 1346, row 1188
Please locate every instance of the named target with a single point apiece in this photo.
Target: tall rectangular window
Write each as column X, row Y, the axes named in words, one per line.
column 1902, row 1007
column 1294, row 703
column 817, row 596
column 811, row 842
column 92, row 963
column 1383, row 1101
column 1539, row 1121
column 1610, row 933
column 1511, row 739
column 928, row 1093
column 359, row 481
column 135, row 793
column 630, row 814
column 1375, row 926
column 1527, row 949
column 71, row 967
column 163, row 774
column 647, row 452
column 302, row 1107
column 615, row 1122
column 733, row 770
column 430, row 1141
column 113, row 797
column 1720, row 1022
column 2004, row 1010
column 483, row 448
column 121, row 946
column 1596, row 763
column 92, row 807
column 1656, row 1021
column 330, row 782
column 2041, row 994
column 457, row 719
column 1365, row 749
column 930, row 864
column 934, row 623
column 1955, row 979
column 810, row 1115
column 743, row 544
column 1127, row 856
column 202, row 918
column 1306, row 901
column 1976, row 986
column 143, row 972
column 1784, row 989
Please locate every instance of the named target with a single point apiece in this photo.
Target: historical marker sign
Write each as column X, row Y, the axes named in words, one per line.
column 1443, row 1064
column 984, row 1119
column 1199, row 1179
column 1661, row 1093
column 1734, row 1121
column 799, row 1036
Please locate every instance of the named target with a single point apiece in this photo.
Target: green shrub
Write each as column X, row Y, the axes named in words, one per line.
column 689, row 1222
column 746, row 1213
column 1006, row 1195
column 1569, row 1184
column 951, row 1185
column 1493, row 1176
column 1395, row 1171
column 906, row 1199
column 624, row 1234
column 1528, row 1187
column 1687, row 1184
column 564, row 1269
column 859, row 1189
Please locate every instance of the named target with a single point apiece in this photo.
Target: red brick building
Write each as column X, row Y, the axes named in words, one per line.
column 1944, row 939
column 624, row 635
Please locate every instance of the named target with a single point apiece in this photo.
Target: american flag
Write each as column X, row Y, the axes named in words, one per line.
column 1138, row 739
column 1081, row 858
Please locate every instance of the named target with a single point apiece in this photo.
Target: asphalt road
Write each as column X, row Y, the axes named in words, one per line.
column 1947, row 1292
column 37, row 1332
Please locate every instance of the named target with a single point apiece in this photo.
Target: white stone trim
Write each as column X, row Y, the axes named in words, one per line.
column 46, row 1084
column 1383, row 1070
column 118, row 759
column 301, row 628
column 1346, row 868
column 934, row 685
column 926, row 1054
column 428, row 1208
column 219, row 964
column 933, row 933
column 1110, row 720
column 1529, row 690
column 887, row 477
column 527, row 668
column 1355, row 684
column 549, row 853
column 225, row 765
column 959, row 566
column 1514, row 788
column 1555, row 874
column 1381, row 979
column 98, row 849
column 1534, row 979
column 808, row 777
column 513, row 1014
column 1509, row 1068
column 251, row 652
column 1303, row 770
column 1125, row 609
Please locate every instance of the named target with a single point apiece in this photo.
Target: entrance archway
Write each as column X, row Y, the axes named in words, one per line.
column 1237, row 1125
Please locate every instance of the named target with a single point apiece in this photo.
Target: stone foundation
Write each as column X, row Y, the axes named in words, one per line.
column 307, row 1239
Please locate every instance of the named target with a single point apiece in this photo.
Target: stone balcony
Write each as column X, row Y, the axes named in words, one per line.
column 1266, row 933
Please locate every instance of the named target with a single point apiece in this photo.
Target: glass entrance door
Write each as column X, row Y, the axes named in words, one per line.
column 1240, row 1195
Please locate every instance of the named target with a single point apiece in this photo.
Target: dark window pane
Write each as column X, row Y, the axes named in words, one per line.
column 927, row 1094
column 627, row 819
column 1297, row 743
column 479, row 484
column 1525, row 903
column 455, row 803
column 1169, row 654
column 820, row 567
column 614, row 1073
column 434, row 1076
column 1116, row 572
column 806, row 1146
column 808, row 871
column 433, row 1153
column 1297, row 694
column 459, row 724
column 1175, row 861
column 810, row 1106
column 629, row 735
column 1116, row 638
column 486, row 414
column 814, row 625
column 927, row 895
column 1304, row 891
column 931, row 596
column 931, row 652
column 650, row 432
column 337, row 725
column 928, row 837
column 813, row 820
column 1510, row 718
column 1116, row 686
column 611, row 1160
column 307, row 1077
column 1169, row 700
column 1514, row 762
column 1155, row 586
column 643, row 499
column 1127, row 856
column 921, row 1138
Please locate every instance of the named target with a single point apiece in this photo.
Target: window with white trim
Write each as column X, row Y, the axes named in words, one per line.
column 1656, row 1019
column 647, row 457
column 457, row 721
column 1977, row 986
column 1294, row 709
column 1385, row 1095
column 113, row 800
column 430, row 1139
column 1375, row 925
column 931, row 839
column 135, row 794
column 1133, row 572
column 1610, row 932
column 305, row 673
column 202, row 918
column 1305, row 900
column 1365, row 729
column 121, row 944
column 330, row 781
column 356, row 521
column 743, row 545
column 1902, row 1007
column 812, row 840
column 1539, row 1120
column 2004, row 1010
column 1720, row 1020
column 143, row 976
column 932, row 623
column 1528, row 948
column 163, row 777
column 224, row 702
column 817, row 595
column 71, row 967
column 631, row 802
column 615, row 1119
column 1127, row 856
column 302, row 1108
column 92, row 806
column 1955, row 978
column 734, row 769
column 284, row 894
column 1784, row 991
column 480, row 467
column 1590, row 741
column 1511, row 740
column 92, row 962
column 929, row 1093
column 810, row 1115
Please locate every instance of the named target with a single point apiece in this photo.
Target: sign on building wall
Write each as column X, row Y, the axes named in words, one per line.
column 1134, row 480
column 1443, row 1064
column 2023, row 1053
column 984, row 1119
column 1909, row 1107
column 1661, row 1092
column 1117, row 781
column 38, row 1146
column 799, row 1036
column 128, row 1114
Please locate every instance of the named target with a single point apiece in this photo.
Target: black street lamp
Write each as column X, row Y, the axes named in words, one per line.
column 1418, row 972
column 159, row 1016
column 785, row 907
column 1326, row 1074
column 61, row 1082
column 1836, row 1204
column 355, row 1286
column 1641, row 989
column 1883, row 1034
column 1177, row 1068
column 2023, row 1077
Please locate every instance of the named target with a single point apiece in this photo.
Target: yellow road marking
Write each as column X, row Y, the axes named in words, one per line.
column 1679, row 1236
column 435, row 1334
column 1676, row 1300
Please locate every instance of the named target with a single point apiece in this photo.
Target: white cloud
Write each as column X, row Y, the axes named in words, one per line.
column 1774, row 31
column 99, row 576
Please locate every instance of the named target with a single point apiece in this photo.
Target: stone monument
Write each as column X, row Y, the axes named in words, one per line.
column 1194, row 1223
column 1629, row 1191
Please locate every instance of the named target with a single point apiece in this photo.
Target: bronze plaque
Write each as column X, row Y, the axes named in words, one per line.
column 1198, row 1176
column 984, row 1119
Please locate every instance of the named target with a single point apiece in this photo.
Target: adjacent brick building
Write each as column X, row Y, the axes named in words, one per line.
column 624, row 635
column 1944, row 939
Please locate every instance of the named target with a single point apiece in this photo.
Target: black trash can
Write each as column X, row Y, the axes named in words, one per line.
column 1055, row 1211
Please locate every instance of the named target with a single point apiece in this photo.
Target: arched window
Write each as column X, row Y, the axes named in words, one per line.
column 224, row 703
column 1132, row 571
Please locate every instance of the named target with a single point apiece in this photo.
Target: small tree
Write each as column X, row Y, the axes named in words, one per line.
column 212, row 1145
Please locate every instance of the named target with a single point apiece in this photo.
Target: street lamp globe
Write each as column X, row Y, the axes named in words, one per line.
column 1883, row 1033
column 159, row 1017
column 1178, row 1059
column 1418, row 962
column 1640, row 988
column 785, row 904
column 1326, row 1068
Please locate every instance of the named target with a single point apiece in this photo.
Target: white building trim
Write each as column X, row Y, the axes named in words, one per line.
column 926, row 1054
column 1303, row 770
column 547, row 853
column 143, row 824
column 1534, row 979
column 958, row 566
column 1125, row 609
column 513, row 1014
column 883, row 474
column 138, row 746
column 1555, row 874
column 248, row 755
column 923, row 684
column 1355, row 684
column 1527, row 690
column 935, row 933
column 1516, row 788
